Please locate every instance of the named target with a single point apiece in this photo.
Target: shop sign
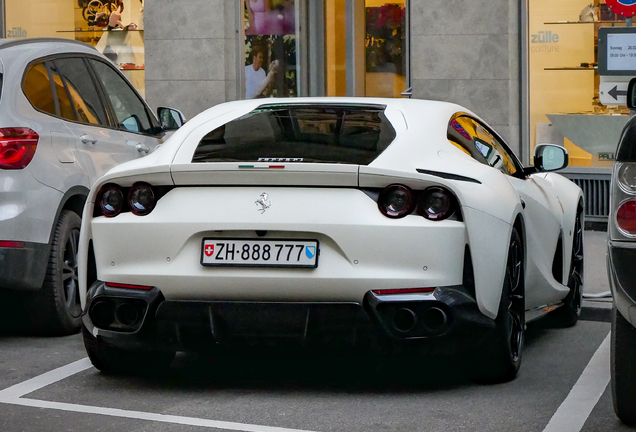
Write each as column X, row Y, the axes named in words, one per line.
column 626, row 8
column 16, row 32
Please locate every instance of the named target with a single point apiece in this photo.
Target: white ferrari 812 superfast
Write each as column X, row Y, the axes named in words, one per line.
column 404, row 225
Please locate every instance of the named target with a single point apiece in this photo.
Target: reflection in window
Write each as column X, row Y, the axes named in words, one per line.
column 129, row 109
column 471, row 137
column 66, row 108
column 82, row 92
column 37, row 89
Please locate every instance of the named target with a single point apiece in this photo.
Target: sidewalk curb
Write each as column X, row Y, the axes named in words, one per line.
column 599, row 311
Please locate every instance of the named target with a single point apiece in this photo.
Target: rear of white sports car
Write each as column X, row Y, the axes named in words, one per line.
column 280, row 225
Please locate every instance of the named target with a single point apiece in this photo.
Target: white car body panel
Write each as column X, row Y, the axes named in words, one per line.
column 338, row 218
column 345, row 221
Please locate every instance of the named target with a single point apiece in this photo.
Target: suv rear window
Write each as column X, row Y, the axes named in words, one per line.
column 351, row 134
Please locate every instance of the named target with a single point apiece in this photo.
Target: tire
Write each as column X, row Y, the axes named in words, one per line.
column 568, row 314
column 500, row 358
column 623, row 368
column 55, row 309
column 111, row 360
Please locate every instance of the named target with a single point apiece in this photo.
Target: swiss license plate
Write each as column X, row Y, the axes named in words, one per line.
column 259, row 253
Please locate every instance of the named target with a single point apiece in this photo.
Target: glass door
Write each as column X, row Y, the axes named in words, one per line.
column 366, row 47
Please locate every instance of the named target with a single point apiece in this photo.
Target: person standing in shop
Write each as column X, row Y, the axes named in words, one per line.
column 257, row 81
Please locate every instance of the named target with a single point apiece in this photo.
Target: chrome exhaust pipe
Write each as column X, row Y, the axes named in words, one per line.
column 404, row 320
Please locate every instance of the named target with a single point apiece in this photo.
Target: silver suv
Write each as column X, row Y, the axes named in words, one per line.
column 67, row 115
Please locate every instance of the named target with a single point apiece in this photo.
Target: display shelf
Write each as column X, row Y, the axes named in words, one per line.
column 585, row 22
column 573, row 68
column 98, row 30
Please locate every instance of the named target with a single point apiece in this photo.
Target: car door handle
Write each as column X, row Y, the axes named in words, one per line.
column 142, row 148
column 87, row 139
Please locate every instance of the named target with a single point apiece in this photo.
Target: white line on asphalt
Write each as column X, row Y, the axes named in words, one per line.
column 577, row 407
column 138, row 415
column 44, row 380
column 13, row 396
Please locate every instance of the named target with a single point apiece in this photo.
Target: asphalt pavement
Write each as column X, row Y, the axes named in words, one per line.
column 48, row 384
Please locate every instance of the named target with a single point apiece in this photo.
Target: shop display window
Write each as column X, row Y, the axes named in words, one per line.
column 379, row 34
column 564, row 83
column 114, row 27
column 271, row 39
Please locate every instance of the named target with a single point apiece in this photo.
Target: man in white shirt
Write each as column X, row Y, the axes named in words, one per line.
column 255, row 75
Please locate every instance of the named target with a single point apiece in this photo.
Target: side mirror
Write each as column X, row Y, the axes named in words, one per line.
column 170, row 118
column 631, row 94
column 550, row 157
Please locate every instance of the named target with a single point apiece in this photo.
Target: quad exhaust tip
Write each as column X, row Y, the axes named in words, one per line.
column 433, row 319
column 404, row 320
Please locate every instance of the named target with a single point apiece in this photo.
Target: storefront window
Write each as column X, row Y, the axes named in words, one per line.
column 271, row 57
column 114, row 27
column 378, row 31
column 565, row 107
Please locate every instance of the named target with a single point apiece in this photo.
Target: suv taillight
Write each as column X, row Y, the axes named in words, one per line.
column 626, row 217
column 17, row 147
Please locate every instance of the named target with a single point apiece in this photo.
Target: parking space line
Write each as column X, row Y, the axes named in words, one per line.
column 44, row 380
column 14, row 396
column 138, row 415
column 577, row 407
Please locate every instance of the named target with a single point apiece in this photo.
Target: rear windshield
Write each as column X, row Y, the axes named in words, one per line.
column 350, row 134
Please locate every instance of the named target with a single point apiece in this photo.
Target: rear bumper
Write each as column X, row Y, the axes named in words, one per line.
column 444, row 321
column 622, row 275
column 24, row 268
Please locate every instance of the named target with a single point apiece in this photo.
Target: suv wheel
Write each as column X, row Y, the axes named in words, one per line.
column 623, row 365
column 55, row 309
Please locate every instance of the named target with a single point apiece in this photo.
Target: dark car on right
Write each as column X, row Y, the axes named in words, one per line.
column 621, row 266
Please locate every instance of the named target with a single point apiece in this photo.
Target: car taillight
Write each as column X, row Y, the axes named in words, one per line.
column 128, row 286
column 436, row 203
column 110, row 200
column 626, row 217
column 17, row 147
column 403, row 291
column 626, row 178
column 396, row 201
column 11, row 244
column 141, row 199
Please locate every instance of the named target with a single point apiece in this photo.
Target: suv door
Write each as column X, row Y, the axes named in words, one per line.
column 100, row 146
column 130, row 112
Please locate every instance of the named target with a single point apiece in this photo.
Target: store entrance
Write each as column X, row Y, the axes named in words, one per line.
column 366, row 48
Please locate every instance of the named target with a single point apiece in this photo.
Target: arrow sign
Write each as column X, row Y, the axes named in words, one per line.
column 615, row 93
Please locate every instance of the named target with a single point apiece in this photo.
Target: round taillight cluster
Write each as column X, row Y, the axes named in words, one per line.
column 434, row 203
column 141, row 200
column 396, row 201
column 110, row 200
column 626, row 217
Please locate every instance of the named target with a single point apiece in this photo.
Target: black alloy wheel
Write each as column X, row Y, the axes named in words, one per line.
column 55, row 309
column 568, row 314
column 516, row 300
column 499, row 360
column 623, row 368
column 70, row 278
